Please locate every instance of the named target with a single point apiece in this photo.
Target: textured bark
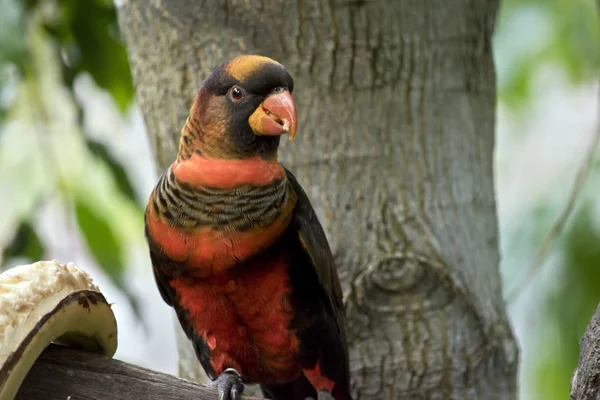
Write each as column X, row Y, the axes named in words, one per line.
column 585, row 383
column 396, row 104
column 64, row 373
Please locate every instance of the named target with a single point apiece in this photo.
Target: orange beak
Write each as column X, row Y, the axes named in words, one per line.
column 275, row 116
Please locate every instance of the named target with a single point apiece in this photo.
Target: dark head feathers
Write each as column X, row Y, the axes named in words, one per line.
column 256, row 74
column 218, row 125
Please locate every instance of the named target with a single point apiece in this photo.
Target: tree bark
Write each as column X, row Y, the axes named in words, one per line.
column 585, row 383
column 396, row 103
column 66, row 373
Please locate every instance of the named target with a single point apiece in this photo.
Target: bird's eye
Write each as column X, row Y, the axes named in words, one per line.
column 278, row 89
column 236, row 93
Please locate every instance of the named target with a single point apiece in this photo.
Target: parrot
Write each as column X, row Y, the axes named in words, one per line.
column 237, row 249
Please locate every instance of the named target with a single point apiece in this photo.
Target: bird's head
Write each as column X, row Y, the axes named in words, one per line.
column 242, row 109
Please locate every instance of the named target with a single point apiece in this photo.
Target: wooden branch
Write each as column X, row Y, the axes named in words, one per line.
column 62, row 373
column 585, row 383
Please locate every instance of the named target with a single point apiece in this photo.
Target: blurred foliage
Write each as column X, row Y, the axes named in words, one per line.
column 87, row 36
column 26, row 243
column 565, row 33
column 100, row 151
column 44, row 46
column 13, row 47
column 570, row 306
column 105, row 245
column 532, row 35
column 101, row 240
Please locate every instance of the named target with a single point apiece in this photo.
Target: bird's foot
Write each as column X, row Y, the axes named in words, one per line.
column 229, row 384
column 323, row 395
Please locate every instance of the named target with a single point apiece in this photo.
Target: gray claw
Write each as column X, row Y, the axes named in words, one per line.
column 325, row 396
column 230, row 385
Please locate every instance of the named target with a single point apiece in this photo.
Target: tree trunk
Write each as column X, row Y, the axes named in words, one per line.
column 585, row 382
column 396, row 103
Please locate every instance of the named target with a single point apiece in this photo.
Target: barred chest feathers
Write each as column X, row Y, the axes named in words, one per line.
column 212, row 228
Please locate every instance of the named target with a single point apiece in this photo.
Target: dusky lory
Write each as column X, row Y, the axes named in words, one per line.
column 237, row 249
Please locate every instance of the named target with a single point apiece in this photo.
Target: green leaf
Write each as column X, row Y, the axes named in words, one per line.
column 101, row 241
column 103, row 54
column 516, row 91
column 105, row 247
column 571, row 41
column 26, row 243
column 118, row 171
column 13, row 46
column 88, row 37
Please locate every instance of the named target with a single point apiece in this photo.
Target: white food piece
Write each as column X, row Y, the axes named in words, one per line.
column 49, row 302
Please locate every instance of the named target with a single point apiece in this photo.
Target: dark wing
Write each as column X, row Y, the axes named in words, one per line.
column 313, row 240
column 160, row 264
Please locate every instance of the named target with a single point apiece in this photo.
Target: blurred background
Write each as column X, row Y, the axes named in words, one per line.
column 74, row 158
